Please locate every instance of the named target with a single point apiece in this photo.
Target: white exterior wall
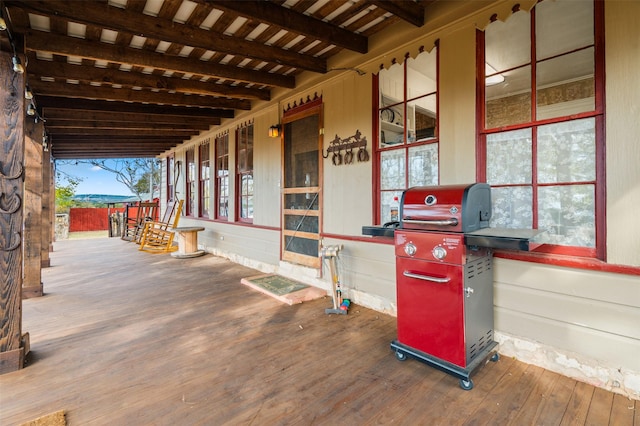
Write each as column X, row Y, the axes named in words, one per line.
column 581, row 323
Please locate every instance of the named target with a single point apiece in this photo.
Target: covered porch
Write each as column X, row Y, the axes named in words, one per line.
column 127, row 337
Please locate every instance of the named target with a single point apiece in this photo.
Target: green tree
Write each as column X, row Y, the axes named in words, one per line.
column 65, row 190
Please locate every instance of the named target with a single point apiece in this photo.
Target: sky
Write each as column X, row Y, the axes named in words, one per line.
column 94, row 179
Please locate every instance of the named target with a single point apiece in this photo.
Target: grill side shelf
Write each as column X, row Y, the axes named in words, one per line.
column 378, row 231
column 504, row 238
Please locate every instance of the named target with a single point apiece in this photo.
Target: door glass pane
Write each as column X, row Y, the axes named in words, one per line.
column 567, row 214
column 567, row 152
column 509, row 157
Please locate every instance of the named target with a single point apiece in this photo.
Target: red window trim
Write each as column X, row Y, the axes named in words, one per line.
column 202, row 182
column 375, row 119
column 189, row 207
column 238, row 179
column 575, row 256
column 217, row 215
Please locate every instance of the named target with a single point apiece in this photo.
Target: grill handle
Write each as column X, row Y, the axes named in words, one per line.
column 438, row 280
column 443, row 222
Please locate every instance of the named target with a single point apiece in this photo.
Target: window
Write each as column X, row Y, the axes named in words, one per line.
column 407, row 148
column 171, row 164
column 244, row 155
column 541, row 136
column 205, row 178
column 191, row 182
column 222, row 176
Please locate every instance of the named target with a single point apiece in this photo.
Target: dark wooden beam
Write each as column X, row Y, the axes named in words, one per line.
column 273, row 14
column 185, row 134
column 52, row 114
column 41, row 41
column 126, row 21
column 409, row 11
column 114, row 125
column 85, row 91
column 46, row 102
column 115, row 138
column 88, row 74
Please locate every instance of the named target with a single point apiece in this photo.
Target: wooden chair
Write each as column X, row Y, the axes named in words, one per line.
column 157, row 236
column 134, row 224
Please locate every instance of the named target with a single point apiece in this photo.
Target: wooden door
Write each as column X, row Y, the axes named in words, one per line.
column 301, row 189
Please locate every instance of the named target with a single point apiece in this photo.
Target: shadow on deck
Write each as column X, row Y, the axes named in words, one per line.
column 127, row 337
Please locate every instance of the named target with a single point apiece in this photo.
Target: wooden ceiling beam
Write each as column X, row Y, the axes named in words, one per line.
column 88, row 74
column 42, row 41
column 290, row 20
column 129, row 22
column 114, row 125
column 184, row 134
column 46, row 102
column 85, row 91
column 51, row 114
column 409, row 11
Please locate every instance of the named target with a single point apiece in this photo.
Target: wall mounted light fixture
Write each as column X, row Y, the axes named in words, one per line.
column 31, row 110
column 274, row 131
column 3, row 24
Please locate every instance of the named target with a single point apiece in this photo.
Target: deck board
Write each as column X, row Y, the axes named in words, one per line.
column 128, row 337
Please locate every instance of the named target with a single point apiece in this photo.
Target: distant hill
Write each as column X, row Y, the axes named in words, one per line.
column 104, row 198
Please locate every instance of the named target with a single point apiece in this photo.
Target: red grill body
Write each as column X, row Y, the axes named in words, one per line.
column 444, row 286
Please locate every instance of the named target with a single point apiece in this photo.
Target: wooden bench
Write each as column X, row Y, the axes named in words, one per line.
column 187, row 242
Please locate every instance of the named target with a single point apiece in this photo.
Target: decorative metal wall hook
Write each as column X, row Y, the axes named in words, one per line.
column 14, row 244
column 14, row 176
column 348, row 145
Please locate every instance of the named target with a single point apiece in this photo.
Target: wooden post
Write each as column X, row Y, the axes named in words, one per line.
column 12, row 109
column 48, row 208
column 32, row 236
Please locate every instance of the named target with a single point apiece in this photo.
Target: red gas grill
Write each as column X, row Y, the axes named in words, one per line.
column 444, row 276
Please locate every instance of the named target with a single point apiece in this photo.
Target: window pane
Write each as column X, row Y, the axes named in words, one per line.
column 509, row 102
column 565, row 85
column 509, row 157
column 512, row 207
column 421, row 75
column 508, row 44
column 567, row 214
column 563, row 26
column 567, row 152
column 391, row 83
column 392, row 170
column 423, row 165
column 387, row 200
column 421, row 120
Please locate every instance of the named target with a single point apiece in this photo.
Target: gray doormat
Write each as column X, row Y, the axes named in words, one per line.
column 284, row 289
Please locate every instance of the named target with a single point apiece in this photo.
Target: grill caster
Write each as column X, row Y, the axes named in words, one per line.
column 401, row 356
column 495, row 357
column 466, row 384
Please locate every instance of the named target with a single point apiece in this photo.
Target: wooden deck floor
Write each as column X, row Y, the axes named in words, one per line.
column 124, row 337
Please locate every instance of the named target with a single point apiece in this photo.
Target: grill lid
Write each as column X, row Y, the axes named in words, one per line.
column 451, row 208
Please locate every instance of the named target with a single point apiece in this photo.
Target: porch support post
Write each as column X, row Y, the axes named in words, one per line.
column 12, row 110
column 32, row 238
column 48, row 202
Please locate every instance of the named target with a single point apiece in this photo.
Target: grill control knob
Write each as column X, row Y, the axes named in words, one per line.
column 439, row 252
column 410, row 249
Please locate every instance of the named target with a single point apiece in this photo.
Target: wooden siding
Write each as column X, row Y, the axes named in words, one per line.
column 123, row 337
